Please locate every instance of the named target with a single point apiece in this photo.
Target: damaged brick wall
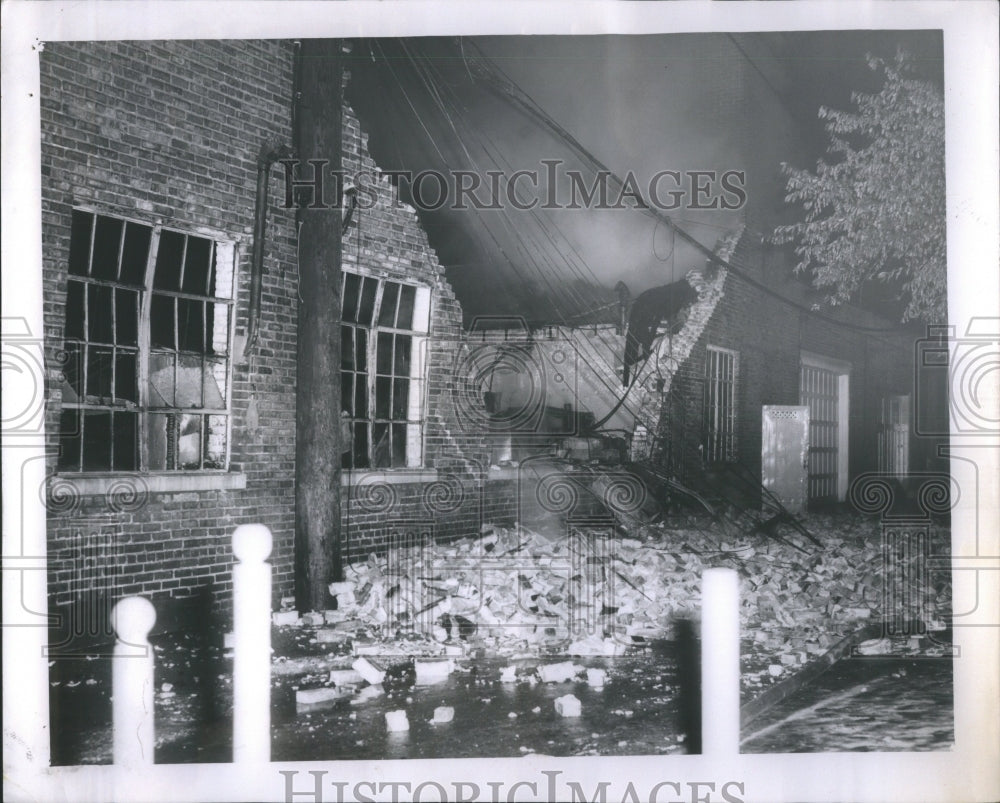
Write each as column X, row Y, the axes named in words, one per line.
column 662, row 378
column 457, row 492
column 768, row 337
column 167, row 133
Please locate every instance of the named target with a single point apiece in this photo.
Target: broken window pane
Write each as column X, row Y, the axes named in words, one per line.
column 99, row 320
column 96, row 440
column 99, row 372
column 79, row 243
column 400, row 398
column 197, row 266
column 349, row 303
column 367, row 306
column 189, row 432
column 135, row 254
column 72, row 372
column 387, row 313
column 75, row 309
column 161, row 321
column 189, row 379
column 215, row 442
column 214, row 385
column 69, row 439
column 161, row 379
column 126, row 453
column 190, row 325
column 126, row 317
column 107, row 247
column 404, row 320
column 182, row 350
column 381, row 448
column 126, row 381
column 169, row 259
column 157, row 426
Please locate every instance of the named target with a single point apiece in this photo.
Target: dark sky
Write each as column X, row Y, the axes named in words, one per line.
column 639, row 104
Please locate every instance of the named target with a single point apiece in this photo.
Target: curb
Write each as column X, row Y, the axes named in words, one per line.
column 774, row 695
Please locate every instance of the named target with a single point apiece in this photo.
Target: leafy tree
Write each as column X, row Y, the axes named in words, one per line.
column 875, row 213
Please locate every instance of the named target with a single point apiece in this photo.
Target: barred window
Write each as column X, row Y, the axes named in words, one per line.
column 149, row 315
column 719, row 429
column 383, row 330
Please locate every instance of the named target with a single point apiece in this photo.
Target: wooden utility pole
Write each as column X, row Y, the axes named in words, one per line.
column 317, row 405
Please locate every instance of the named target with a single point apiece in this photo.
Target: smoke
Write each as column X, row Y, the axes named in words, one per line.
column 639, row 104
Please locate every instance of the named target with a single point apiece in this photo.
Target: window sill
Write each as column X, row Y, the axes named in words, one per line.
column 172, row 482
column 390, row 476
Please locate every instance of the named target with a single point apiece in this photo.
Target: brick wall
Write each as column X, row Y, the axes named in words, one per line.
column 387, row 241
column 167, row 133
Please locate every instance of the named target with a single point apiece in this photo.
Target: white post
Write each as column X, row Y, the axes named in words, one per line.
column 720, row 663
column 252, row 648
column 132, row 682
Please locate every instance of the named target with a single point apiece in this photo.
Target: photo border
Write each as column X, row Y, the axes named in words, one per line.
column 968, row 772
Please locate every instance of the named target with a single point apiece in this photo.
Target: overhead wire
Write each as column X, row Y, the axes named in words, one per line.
column 523, row 100
column 547, row 227
column 419, row 67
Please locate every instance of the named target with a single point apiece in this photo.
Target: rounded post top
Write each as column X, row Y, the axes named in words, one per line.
column 132, row 618
column 252, row 543
column 721, row 573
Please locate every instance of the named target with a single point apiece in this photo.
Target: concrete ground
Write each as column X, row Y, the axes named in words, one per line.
column 880, row 703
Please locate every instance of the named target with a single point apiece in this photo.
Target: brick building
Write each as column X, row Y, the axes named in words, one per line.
column 760, row 338
column 165, row 433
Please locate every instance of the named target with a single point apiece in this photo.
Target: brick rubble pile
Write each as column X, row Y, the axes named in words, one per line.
column 514, row 590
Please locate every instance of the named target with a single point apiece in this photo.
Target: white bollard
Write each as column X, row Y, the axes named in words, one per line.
column 252, row 649
column 132, row 682
column 720, row 663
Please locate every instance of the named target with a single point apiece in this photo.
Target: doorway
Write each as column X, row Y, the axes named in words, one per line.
column 824, row 386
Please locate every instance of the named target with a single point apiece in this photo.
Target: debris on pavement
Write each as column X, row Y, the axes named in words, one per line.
column 568, row 706
column 316, row 699
column 396, row 721
column 592, row 591
column 596, row 677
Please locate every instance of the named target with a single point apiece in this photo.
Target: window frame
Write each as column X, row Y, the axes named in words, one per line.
column 96, row 480
column 419, row 335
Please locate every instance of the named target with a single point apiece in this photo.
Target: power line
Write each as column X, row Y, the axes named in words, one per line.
column 508, row 89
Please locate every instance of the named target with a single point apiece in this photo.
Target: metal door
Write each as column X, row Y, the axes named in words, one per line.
column 894, row 435
column 820, row 391
column 785, row 453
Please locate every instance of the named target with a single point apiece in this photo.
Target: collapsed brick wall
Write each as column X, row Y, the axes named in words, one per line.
column 167, row 133
column 662, row 378
column 388, row 241
column 769, row 337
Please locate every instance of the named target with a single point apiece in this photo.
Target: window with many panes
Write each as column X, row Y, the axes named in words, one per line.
column 383, row 331
column 719, row 429
column 149, row 313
